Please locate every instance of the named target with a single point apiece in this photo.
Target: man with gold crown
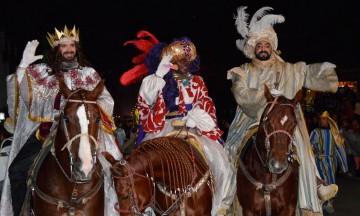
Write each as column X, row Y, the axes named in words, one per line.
column 171, row 96
column 329, row 149
column 259, row 44
column 34, row 102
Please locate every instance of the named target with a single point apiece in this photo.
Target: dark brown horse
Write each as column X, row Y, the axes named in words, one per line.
column 69, row 179
column 267, row 178
column 166, row 174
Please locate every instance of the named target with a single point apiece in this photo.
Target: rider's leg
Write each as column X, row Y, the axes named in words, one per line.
column 220, row 167
column 18, row 171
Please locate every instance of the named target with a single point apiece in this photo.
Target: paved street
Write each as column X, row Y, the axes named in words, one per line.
column 347, row 201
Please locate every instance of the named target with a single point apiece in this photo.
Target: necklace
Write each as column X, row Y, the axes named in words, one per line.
column 183, row 77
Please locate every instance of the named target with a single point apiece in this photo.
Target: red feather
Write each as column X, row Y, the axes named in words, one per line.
column 141, row 44
column 145, row 42
column 139, row 58
column 152, row 38
column 133, row 75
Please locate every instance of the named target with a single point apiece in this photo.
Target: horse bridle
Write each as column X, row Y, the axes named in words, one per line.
column 268, row 188
column 70, row 141
column 75, row 201
column 134, row 209
column 268, row 135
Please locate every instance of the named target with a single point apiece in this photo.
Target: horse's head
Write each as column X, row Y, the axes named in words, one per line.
column 78, row 128
column 276, row 130
column 134, row 190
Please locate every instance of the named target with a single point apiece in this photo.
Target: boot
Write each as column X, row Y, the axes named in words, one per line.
column 327, row 192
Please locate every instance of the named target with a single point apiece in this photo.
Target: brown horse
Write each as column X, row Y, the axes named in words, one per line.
column 166, row 174
column 69, row 180
column 267, row 180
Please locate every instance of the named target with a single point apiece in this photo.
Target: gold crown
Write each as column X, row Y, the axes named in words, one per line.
column 59, row 36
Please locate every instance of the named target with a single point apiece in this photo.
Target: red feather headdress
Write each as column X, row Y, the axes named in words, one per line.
column 145, row 42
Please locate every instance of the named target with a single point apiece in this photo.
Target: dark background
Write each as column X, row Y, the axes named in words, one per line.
column 313, row 31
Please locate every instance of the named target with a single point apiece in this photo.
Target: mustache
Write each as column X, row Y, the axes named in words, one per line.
column 68, row 52
column 265, row 52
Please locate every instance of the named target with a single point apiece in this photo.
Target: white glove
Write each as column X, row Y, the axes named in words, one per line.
column 200, row 119
column 275, row 92
column 190, row 123
column 29, row 54
column 327, row 65
column 164, row 66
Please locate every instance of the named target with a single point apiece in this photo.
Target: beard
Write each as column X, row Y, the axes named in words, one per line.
column 262, row 57
column 65, row 56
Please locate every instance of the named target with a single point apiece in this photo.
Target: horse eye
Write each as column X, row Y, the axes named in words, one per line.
column 66, row 120
column 98, row 120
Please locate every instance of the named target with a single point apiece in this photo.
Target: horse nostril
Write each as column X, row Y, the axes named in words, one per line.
column 77, row 167
column 273, row 163
column 277, row 166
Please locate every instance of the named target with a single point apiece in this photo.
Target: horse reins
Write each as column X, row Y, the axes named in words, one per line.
column 268, row 188
column 265, row 188
column 268, row 135
column 135, row 209
column 75, row 201
column 70, row 141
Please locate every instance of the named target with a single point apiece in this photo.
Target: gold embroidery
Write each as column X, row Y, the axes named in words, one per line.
column 103, row 126
column 38, row 136
column 39, row 119
column 173, row 113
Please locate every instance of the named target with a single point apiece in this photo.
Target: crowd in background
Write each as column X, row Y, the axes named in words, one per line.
column 344, row 108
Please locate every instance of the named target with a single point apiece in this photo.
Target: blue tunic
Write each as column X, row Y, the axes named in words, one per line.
column 329, row 156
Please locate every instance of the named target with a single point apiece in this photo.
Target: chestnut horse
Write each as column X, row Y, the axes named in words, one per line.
column 69, row 178
column 267, row 181
column 166, row 174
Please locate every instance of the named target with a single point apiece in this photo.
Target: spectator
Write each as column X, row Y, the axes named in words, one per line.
column 119, row 134
column 329, row 150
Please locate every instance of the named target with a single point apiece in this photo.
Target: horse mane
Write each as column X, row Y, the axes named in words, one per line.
column 178, row 166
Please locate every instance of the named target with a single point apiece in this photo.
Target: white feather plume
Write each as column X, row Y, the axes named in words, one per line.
column 267, row 21
column 259, row 14
column 240, row 44
column 241, row 21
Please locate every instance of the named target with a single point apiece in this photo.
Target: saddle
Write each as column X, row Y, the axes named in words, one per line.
column 247, row 142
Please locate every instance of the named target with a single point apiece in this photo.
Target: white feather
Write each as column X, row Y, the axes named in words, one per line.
column 241, row 21
column 259, row 14
column 240, row 44
column 267, row 21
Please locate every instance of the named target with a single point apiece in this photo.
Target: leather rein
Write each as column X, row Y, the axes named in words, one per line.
column 74, row 201
column 268, row 188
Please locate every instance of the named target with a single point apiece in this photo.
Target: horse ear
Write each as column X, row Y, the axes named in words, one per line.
column 63, row 88
column 93, row 95
column 100, row 87
column 297, row 97
column 267, row 93
column 109, row 157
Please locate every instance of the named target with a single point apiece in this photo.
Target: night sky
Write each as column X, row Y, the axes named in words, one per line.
column 313, row 31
